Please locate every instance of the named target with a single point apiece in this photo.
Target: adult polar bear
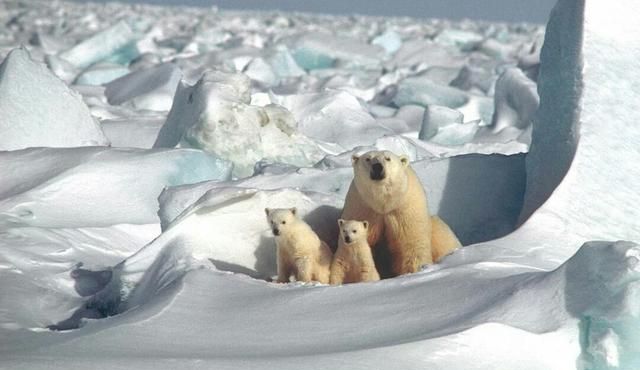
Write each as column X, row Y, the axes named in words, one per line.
column 387, row 193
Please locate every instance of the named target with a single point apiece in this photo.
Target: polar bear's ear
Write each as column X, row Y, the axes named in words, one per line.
column 354, row 159
column 340, row 222
column 267, row 210
column 294, row 210
column 404, row 160
column 365, row 224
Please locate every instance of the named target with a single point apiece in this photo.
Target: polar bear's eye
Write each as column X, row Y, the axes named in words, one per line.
column 284, row 222
column 354, row 231
column 387, row 158
column 367, row 159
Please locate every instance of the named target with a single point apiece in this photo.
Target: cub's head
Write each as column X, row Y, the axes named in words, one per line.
column 352, row 231
column 280, row 218
column 377, row 165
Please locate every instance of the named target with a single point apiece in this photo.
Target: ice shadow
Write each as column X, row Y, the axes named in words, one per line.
column 86, row 283
column 479, row 196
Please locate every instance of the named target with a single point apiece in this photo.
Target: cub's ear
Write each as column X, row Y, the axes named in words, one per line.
column 294, row 210
column 267, row 210
column 365, row 224
column 354, row 159
column 404, row 160
column 340, row 222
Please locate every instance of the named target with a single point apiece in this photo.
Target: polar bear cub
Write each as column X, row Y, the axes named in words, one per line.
column 353, row 261
column 300, row 252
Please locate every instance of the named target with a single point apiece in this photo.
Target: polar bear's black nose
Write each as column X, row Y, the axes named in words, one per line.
column 377, row 171
column 276, row 232
column 347, row 239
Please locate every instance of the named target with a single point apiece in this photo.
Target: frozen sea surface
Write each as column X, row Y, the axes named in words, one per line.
column 141, row 144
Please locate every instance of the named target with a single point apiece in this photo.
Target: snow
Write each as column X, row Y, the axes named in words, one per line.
column 141, row 257
column 37, row 109
column 41, row 185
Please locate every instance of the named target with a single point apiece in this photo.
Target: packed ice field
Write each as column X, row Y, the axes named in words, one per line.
column 140, row 145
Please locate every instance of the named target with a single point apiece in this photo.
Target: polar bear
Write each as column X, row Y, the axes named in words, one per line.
column 300, row 252
column 387, row 193
column 353, row 261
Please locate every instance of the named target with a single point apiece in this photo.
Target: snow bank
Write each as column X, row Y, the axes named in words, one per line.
column 187, row 242
column 69, row 187
column 388, row 312
column 37, row 109
column 582, row 166
column 480, row 196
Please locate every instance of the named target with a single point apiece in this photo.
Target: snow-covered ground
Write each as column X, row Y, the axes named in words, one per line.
column 140, row 145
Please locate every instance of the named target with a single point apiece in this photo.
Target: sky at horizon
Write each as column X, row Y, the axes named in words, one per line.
column 489, row 10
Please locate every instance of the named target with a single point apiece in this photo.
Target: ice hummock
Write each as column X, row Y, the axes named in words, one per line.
column 103, row 45
column 37, row 109
column 216, row 115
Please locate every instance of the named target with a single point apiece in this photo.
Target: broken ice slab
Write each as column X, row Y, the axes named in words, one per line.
column 413, row 115
column 463, row 40
column 470, row 77
column 151, row 89
column 414, row 52
column 133, row 132
column 259, row 70
column 603, row 291
column 311, row 59
column 37, row 109
column 422, row 91
column 334, row 117
column 214, row 115
column 456, row 134
column 322, row 50
column 389, row 40
column 65, row 71
column 101, row 45
column 124, row 55
column 516, row 100
column 100, row 74
column 435, row 117
column 283, row 63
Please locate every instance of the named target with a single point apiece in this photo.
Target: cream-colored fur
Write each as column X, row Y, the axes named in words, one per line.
column 394, row 203
column 353, row 261
column 300, row 251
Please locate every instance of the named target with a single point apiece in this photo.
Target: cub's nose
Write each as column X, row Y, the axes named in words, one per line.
column 347, row 239
column 276, row 232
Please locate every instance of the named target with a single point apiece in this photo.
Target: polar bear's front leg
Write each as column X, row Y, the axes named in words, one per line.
column 338, row 272
column 409, row 239
column 303, row 269
column 369, row 274
column 284, row 268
